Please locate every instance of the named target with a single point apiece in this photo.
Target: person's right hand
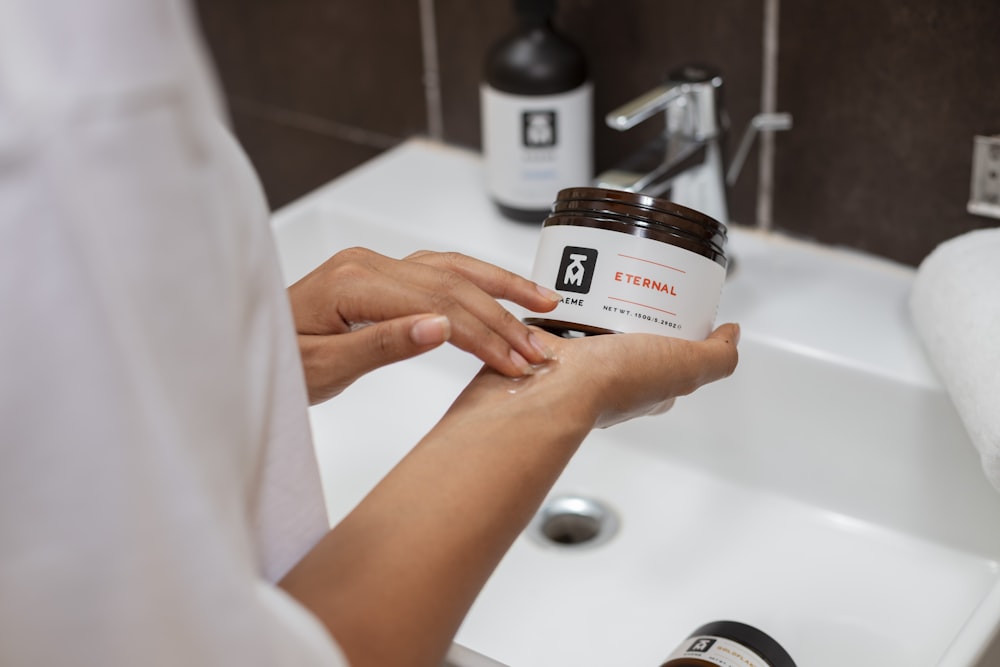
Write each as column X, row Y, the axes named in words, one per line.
column 360, row 310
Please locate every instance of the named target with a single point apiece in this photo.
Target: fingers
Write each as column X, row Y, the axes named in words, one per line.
column 719, row 355
column 333, row 362
column 362, row 286
column 495, row 281
column 492, row 328
column 429, row 331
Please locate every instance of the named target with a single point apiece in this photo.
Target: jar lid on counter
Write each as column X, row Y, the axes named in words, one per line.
column 745, row 635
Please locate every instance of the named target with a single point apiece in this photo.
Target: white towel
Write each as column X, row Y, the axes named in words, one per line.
column 955, row 305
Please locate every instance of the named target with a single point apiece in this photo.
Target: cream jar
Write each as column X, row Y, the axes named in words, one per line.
column 629, row 263
column 729, row 644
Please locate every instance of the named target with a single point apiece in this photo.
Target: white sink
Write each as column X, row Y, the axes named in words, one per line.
column 826, row 493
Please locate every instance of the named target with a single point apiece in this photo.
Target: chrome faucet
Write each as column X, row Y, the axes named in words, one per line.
column 684, row 164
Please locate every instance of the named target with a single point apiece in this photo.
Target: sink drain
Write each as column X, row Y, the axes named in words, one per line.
column 573, row 521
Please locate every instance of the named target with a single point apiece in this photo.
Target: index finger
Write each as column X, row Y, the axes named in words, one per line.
column 492, row 279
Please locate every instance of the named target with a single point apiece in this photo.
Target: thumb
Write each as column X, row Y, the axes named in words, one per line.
column 332, row 363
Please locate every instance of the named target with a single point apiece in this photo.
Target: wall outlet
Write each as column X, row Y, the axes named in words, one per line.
column 985, row 194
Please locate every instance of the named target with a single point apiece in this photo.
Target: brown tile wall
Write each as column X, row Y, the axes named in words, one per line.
column 315, row 87
column 886, row 96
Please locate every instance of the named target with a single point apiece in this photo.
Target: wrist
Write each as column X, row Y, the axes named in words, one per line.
column 550, row 403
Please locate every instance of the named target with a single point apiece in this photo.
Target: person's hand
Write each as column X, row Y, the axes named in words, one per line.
column 360, row 310
column 646, row 377
column 604, row 380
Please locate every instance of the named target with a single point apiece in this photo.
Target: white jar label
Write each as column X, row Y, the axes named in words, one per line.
column 535, row 146
column 627, row 283
column 717, row 651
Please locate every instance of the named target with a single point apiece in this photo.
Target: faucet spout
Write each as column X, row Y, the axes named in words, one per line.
column 653, row 169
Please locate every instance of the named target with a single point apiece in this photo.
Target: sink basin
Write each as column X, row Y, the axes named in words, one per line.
column 825, row 493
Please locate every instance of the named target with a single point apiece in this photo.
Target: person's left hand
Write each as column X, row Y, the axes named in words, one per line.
column 360, row 310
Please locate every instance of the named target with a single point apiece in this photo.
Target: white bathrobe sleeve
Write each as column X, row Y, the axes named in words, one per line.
column 156, row 469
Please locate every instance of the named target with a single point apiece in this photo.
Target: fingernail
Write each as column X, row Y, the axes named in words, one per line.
column 551, row 295
column 521, row 363
column 737, row 337
column 431, row 330
column 542, row 349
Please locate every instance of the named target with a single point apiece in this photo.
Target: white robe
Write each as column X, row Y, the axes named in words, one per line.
column 156, row 466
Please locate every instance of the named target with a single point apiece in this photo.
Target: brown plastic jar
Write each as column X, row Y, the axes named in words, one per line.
column 729, row 644
column 627, row 262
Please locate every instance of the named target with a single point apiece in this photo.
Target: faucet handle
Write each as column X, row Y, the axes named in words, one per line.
column 632, row 113
column 762, row 122
column 690, row 86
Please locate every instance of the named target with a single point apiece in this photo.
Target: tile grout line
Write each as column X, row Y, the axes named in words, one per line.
column 432, row 78
column 311, row 123
column 768, row 104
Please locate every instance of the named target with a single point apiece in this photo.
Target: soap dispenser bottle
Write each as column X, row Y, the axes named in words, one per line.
column 536, row 106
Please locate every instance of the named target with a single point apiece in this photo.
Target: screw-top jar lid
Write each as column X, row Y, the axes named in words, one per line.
column 627, row 213
column 653, row 207
column 641, row 215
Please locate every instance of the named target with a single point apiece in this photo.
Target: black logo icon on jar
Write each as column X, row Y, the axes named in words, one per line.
column 701, row 645
column 538, row 129
column 576, row 270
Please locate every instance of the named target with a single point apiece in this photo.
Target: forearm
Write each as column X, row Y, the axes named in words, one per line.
column 393, row 581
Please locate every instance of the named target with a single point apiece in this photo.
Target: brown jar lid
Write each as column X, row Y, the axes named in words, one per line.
column 642, row 203
column 641, row 215
column 646, row 229
column 628, row 212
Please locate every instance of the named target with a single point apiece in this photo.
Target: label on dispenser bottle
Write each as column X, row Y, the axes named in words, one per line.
column 717, row 651
column 627, row 283
column 535, row 146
